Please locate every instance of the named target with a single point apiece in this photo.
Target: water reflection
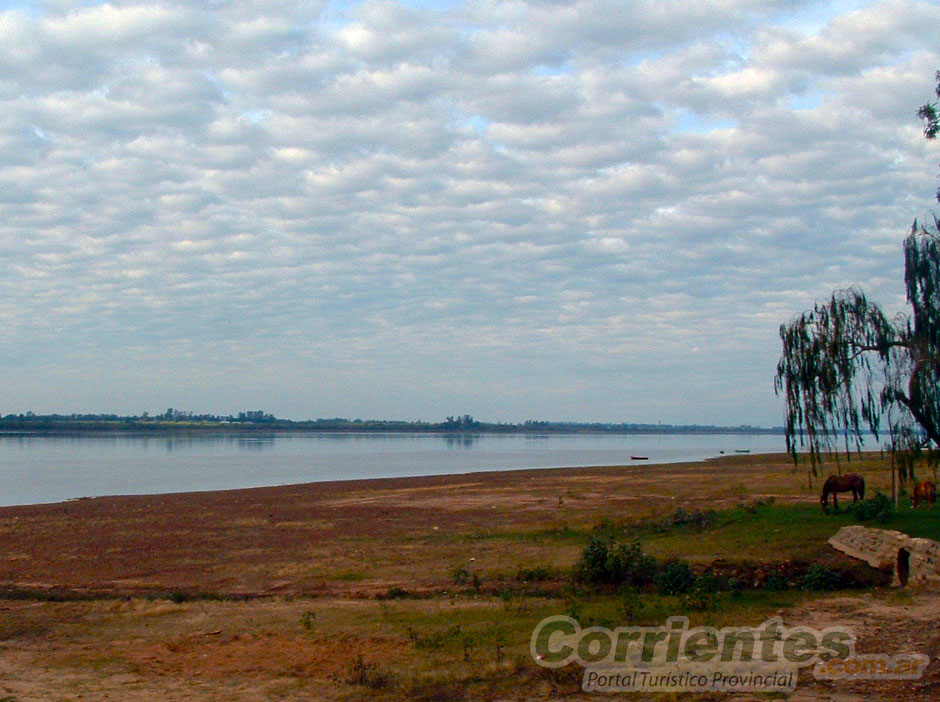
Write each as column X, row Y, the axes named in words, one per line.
column 256, row 443
column 459, row 440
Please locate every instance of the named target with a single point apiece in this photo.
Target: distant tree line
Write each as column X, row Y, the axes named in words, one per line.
column 184, row 421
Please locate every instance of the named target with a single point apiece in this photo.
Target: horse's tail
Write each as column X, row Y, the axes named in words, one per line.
column 861, row 488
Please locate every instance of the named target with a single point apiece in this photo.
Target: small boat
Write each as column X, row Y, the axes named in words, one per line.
column 742, row 450
column 639, row 458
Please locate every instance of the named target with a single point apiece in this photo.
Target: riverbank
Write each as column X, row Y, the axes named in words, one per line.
column 405, row 588
column 355, row 537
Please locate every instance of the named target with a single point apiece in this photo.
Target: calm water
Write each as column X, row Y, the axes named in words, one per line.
column 48, row 469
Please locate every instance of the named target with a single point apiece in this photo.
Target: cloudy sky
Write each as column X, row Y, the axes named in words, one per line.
column 583, row 210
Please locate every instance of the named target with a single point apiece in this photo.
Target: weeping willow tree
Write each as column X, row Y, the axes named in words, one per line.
column 847, row 369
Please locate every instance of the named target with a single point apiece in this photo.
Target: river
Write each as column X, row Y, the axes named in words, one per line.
column 36, row 469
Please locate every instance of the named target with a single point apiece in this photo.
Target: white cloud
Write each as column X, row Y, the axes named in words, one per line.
column 532, row 193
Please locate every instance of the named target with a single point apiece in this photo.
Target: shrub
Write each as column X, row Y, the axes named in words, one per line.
column 681, row 517
column 535, row 575
column 705, row 590
column 594, row 566
column 819, row 578
column 699, row 519
column 396, row 593
column 462, row 576
column 368, row 675
column 880, row 508
column 675, row 578
column 606, row 561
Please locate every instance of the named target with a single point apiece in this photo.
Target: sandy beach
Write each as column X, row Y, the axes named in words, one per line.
column 289, row 539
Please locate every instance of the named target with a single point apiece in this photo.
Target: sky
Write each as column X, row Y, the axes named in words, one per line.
column 579, row 210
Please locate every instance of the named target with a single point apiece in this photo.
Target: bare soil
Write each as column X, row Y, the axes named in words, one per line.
column 296, row 540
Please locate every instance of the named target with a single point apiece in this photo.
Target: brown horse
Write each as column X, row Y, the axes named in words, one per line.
column 924, row 492
column 850, row 482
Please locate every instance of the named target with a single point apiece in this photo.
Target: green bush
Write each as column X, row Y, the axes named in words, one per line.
column 535, row 575
column 606, row 561
column 776, row 582
column 879, row 508
column 675, row 578
column 462, row 576
column 704, row 591
column 819, row 578
column 700, row 519
column 683, row 518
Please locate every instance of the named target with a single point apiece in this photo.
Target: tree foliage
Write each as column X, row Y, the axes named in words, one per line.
column 931, row 116
column 847, row 368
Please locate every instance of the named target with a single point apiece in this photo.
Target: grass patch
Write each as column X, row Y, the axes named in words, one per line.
column 54, row 595
column 920, row 523
column 181, row 596
column 757, row 532
column 564, row 533
column 776, row 532
column 760, row 531
column 538, row 574
column 400, row 593
column 347, row 576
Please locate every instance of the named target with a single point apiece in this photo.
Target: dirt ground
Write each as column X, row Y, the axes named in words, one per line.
column 250, row 566
column 191, row 660
column 303, row 539
column 892, row 625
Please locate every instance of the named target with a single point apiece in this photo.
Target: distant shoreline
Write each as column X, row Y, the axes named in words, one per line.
column 17, row 425
column 265, row 431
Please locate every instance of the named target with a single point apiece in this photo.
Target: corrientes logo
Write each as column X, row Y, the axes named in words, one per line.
column 676, row 657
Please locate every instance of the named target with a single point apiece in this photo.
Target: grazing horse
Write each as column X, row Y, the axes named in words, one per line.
column 924, row 492
column 850, row 482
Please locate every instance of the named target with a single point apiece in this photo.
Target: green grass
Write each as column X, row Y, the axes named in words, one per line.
column 564, row 534
column 760, row 533
column 775, row 532
column 768, row 532
column 483, row 643
column 347, row 576
column 923, row 522
column 755, row 532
